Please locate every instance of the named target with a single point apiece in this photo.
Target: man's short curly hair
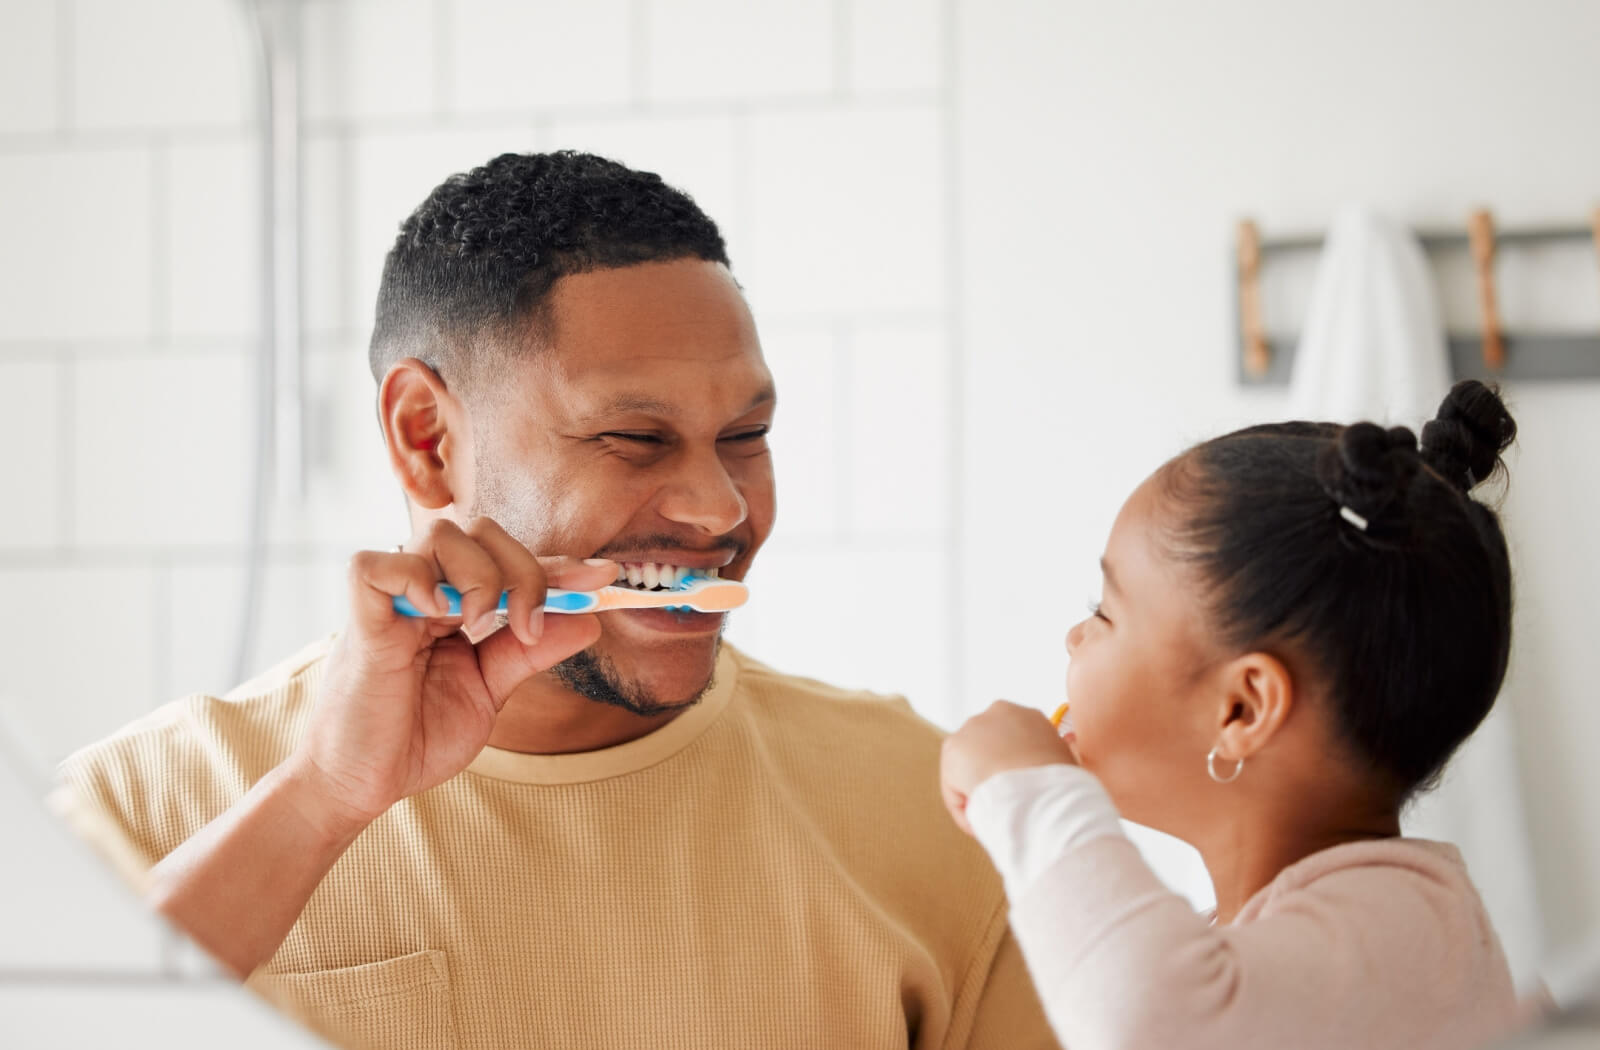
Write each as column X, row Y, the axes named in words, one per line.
column 474, row 265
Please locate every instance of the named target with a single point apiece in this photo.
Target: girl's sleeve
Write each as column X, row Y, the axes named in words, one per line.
column 1391, row 951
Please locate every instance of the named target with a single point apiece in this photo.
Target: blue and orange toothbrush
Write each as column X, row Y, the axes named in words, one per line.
column 708, row 594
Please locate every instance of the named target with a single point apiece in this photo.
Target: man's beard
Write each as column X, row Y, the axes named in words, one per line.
column 596, row 678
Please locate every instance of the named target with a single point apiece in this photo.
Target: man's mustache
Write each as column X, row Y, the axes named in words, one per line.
column 617, row 550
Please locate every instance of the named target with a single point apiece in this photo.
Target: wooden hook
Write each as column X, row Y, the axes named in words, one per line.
column 1257, row 356
column 1480, row 234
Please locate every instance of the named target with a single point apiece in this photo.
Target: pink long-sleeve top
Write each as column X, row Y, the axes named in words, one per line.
column 1369, row 945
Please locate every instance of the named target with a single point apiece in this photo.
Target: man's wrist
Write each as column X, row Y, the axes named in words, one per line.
column 303, row 793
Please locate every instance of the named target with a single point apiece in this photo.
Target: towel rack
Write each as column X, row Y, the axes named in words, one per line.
column 1266, row 359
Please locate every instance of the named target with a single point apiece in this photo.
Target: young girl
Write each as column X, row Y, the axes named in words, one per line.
column 1299, row 624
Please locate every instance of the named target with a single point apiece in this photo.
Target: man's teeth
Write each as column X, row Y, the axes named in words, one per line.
column 650, row 575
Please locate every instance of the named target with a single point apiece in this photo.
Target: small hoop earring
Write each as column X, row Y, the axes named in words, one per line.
column 1211, row 767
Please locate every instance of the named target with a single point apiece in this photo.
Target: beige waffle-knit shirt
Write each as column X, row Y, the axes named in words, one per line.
column 773, row 868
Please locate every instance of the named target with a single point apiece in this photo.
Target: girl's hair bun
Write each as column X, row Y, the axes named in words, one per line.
column 1368, row 469
column 1464, row 441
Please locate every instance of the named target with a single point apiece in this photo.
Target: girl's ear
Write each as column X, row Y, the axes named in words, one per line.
column 414, row 408
column 1257, row 695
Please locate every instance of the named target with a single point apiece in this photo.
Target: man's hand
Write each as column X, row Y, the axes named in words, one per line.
column 1005, row 737
column 407, row 703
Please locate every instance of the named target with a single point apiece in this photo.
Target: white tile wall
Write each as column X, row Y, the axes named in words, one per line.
column 327, row 200
column 848, row 211
column 520, row 55
column 163, row 449
column 98, row 283
column 805, row 435
column 369, row 58
column 896, row 46
column 211, row 238
column 161, row 64
column 300, row 602
column 899, row 391
column 352, row 502
column 32, row 483
column 739, row 50
column 29, row 49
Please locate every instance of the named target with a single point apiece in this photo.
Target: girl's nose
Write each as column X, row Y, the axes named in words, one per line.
column 1075, row 636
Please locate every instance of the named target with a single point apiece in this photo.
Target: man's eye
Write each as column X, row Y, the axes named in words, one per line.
column 643, row 439
column 749, row 435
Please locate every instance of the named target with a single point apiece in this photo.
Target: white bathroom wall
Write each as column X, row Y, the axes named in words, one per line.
column 1106, row 150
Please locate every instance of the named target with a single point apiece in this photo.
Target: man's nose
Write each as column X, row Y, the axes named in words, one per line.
column 704, row 495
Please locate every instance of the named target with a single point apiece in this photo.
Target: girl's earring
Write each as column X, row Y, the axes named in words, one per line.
column 1211, row 767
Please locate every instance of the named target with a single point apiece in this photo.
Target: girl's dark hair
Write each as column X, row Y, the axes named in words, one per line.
column 1407, row 621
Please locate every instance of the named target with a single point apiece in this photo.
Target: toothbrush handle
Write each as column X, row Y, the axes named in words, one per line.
column 556, row 600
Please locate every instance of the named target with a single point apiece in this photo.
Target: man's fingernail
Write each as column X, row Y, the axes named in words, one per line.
column 597, row 561
column 443, row 600
column 536, row 624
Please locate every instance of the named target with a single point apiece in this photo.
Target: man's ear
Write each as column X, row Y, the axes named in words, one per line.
column 1257, row 696
column 416, row 410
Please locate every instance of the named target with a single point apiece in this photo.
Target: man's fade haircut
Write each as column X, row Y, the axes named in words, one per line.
column 474, row 265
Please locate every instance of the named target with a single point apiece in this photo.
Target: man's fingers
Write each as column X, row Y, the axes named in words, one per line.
column 522, row 577
column 376, row 577
column 464, row 564
column 482, row 562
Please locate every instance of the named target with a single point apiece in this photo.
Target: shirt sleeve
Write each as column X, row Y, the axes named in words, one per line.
column 1026, row 818
column 1385, row 952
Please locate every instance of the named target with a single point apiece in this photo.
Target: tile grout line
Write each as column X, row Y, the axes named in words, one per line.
column 73, row 141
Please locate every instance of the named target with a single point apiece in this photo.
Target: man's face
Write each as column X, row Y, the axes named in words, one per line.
column 636, row 431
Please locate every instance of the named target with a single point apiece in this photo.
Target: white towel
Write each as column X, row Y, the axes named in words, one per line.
column 1374, row 348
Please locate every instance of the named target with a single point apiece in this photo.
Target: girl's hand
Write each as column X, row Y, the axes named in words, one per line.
column 1005, row 737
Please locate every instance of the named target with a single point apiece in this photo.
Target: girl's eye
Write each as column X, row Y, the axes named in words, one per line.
column 1094, row 609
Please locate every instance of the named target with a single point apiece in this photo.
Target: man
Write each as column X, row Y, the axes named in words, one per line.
column 578, row 831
